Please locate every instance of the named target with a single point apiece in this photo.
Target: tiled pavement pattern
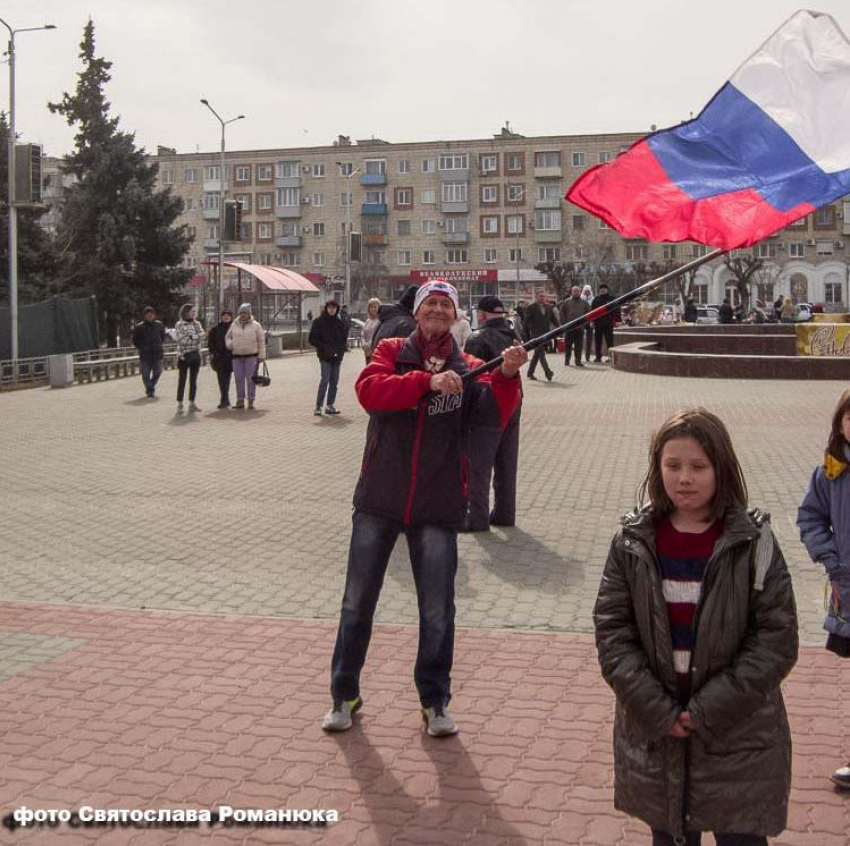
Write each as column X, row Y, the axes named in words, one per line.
column 166, row 710
column 19, row 651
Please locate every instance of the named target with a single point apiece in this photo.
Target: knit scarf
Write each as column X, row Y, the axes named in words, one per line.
column 832, row 467
column 435, row 351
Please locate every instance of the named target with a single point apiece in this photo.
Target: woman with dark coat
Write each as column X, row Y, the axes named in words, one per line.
column 329, row 335
column 696, row 627
column 221, row 358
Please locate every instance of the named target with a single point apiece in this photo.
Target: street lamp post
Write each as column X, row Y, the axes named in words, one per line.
column 221, row 193
column 13, row 211
column 349, row 202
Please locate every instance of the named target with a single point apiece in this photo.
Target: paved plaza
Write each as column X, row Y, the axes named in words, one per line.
column 170, row 587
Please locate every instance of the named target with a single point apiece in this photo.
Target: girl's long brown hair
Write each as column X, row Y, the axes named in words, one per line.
column 709, row 432
column 837, row 441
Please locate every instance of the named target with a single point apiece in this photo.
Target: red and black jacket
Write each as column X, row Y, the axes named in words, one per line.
column 415, row 462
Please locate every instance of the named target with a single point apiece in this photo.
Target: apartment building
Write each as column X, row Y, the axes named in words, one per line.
column 481, row 212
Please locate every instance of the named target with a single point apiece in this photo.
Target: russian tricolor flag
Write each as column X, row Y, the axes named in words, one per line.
column 771, row 147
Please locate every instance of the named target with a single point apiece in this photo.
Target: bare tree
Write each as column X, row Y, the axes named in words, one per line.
column 765, row 279
column 743, row 266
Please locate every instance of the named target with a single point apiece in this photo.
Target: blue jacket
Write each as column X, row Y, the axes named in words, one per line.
column 824, row 522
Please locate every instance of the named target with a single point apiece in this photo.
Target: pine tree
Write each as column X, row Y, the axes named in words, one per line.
column 36, row 253
column 117, row 232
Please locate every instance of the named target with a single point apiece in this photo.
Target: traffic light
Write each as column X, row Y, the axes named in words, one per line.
column 355, row 246
column 28, row 177
column 232, row 220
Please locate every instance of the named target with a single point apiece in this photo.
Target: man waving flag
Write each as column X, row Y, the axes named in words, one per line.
column 772, row 146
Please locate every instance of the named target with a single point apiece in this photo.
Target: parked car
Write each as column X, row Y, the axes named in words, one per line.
column 707, row 315
column 804, row 313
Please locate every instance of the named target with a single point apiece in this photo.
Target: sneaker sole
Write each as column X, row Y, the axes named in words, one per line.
column 841, row 783
column 439, row 732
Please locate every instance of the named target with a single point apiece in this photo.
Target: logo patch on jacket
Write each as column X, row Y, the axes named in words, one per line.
column 444, row 404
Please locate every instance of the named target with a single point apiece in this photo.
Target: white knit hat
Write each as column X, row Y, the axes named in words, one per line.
column 436, row 286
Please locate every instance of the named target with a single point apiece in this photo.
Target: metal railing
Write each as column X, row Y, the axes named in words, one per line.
column 24, row 371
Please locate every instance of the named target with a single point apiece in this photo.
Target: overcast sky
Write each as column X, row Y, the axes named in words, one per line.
column 304, row 72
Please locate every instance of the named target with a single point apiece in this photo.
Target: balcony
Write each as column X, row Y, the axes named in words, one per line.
column 547, row 236
column 288, row 240
column 845, row 229
column 287, row 211
column 455, row 238
column 548, row 172
column 455, row 208
column 375, row 240
column 210, row 243
column 213, row 186
column 373, row 179
column 287, row 182
column 548, row 203
column 457, row 175
column 374, row 208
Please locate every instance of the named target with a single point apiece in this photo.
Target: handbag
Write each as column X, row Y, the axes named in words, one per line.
column 192, row 357
column 262, row 379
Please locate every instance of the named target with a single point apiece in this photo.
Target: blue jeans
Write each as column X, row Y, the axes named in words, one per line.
column 151, row 371
column 661, row 838
column 433, row 556
column 329, row 381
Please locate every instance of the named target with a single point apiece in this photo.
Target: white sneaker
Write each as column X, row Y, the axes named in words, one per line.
column 179, row 407
column 439, row 721
column 841, row 777
column 193, row 407
column 339, row 717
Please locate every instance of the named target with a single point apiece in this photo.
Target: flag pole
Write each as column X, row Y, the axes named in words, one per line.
column 602, row 311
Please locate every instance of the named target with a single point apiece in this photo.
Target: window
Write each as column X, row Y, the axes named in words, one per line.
column 167, row 177
column 578, row 222
column 489, row 194
column 318, row 229
column 404, row 258
column 455, row 192
column 243, row 173
column 833, row 293
column 454, row 161
column 669, row 251
column 192, row 232
column 547, row 220
column 457, row 257
column 428, row 257
column 605, row 156
column 245, row 231
column 515, row 194
column 190, row 175
column 514, row 224
column 514, row 162
column 318, row 199
column 287, row 228
column 429, row 227
column 699, row 250
column 429, row 165
column 345, row 198
column 210, row 202
column 319, row 259
column 212, row 172
column 403, row 227
column 490, row 225
column 547, row 159
column 264, row 231
column 490, row 256
column 288, row 170
column 264, row 201
column 245, row 199
column 765, row 250
column 824, row 248
column 289, row 196
column 800, row 223
column 549, row 254
column 579, row 251
column 637, row 252
column 189, row 204
column 403, row 197
column 404, row 167
column 549, row 191
column 212, row 231
column 699, row 293
column 264, row 172
column 429, row 197
column 488, row 163
column 515, row 255
column 375, row 167
column 344, row 168
column 603, row 225
column 290, row 259
column 825, row 218
column 578, row 159
column 319, row 173
column 796, row 249
column 376, row 197
column 456, row 225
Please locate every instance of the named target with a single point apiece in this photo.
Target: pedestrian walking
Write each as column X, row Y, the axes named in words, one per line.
column 604, row 326
column 148, row 337
column 396, row 318
column 493, row 449
column 824, row 523
column 189, row 335
column 412, row 483
column 221, row 358
column 370, row 327
column 572, row 308
column 696, row 627
column 539, row 318
column 246, row 341
column 587, row 296
column 329, row 337
column 726, row 312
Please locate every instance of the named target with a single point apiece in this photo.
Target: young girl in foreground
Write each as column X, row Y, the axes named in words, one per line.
column 696, row 627
column 824, row 521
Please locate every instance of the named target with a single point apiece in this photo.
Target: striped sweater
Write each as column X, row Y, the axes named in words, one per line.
column 682, row 558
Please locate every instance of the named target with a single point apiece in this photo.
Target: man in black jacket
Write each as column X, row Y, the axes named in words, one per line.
column 147, row 339
column 397, row 319
column 727, row 313
column 603, row 327
column 330, row 338
column 539, row 318
column 221, row 358
column 493, row 451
